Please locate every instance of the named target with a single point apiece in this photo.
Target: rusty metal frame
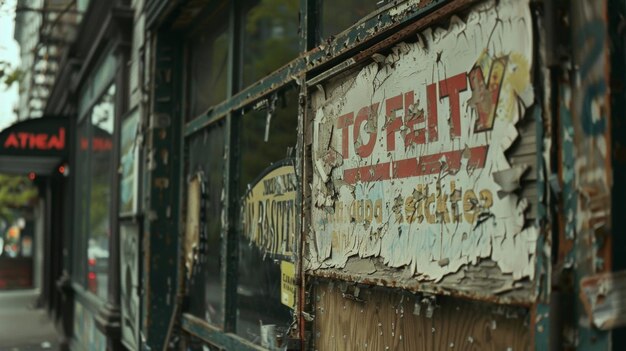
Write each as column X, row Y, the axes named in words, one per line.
column 216, row 337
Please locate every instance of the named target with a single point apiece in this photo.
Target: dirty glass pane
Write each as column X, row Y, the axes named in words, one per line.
column 81, row 212
column 339, row 15
column 259, row 281
column 101, row 166
column 270, row 36
column 206, row 157
column 208, row 63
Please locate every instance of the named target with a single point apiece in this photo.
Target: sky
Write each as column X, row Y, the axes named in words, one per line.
column 9, row 52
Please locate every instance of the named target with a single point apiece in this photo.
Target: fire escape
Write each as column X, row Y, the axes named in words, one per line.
column 57, row 29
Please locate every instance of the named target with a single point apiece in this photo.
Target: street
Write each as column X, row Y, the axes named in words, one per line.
column 22, row 326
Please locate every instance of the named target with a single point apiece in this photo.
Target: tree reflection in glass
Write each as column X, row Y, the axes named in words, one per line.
column 339, row 15
column 270, row 37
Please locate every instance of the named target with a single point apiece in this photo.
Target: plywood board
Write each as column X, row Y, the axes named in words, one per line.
column 388, row 320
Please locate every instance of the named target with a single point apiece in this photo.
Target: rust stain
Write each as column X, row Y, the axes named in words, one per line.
column 604, row 298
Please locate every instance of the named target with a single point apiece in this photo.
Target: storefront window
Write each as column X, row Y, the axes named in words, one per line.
column 270, row 37
column 339, row 15
column 100, row 146
column 81, row 201
column 206, row 164
column 208, row 63
column 266, row 140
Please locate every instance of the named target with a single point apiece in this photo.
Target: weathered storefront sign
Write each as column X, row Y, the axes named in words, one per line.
column 36, row 137
column 269, row 211
column 409, row 152
column 37, row 145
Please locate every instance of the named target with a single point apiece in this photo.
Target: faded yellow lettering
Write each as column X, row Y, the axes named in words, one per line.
column 470, row 207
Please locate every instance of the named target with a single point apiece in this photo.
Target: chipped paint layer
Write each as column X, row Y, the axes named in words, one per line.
column 409, row 152
column 604, row 299
column 589, row 105
column 589, row 172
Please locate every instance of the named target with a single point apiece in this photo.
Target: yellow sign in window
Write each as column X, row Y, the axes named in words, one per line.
column 288, row 284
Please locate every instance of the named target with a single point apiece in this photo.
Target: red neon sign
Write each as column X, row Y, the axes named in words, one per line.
column 37, row 141
column 97, row 144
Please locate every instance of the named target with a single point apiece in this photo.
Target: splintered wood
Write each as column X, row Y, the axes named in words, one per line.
column 377, row 319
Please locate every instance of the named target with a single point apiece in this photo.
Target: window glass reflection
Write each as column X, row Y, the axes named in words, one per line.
column 206, row 157
column 270, row 37
column 208, row 63
column 339, row 15
column 259, row 281
column 81, row 199
column 100, row 145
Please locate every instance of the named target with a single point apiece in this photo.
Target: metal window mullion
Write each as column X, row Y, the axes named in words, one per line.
column 230, row 244
column 83, row 255
column 309, row 18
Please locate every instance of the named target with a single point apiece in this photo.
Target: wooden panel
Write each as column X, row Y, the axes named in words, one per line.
column 383, row 319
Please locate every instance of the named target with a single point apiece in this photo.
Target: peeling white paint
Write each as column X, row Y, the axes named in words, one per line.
column 419, row 191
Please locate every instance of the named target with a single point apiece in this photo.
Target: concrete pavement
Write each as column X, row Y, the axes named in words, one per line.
column 22, row 326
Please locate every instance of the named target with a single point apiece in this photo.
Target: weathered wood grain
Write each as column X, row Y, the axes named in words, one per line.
column 379, row 319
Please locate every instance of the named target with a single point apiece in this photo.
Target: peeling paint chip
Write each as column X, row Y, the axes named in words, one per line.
column 604, row 298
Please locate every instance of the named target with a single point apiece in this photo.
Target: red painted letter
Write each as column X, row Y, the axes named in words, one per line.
column 392, row 122
column 58, row 142
column 413, row 117
column 39, row 141
column 369, row 114
column 450, row 88
column 11, row 141
column 23, row 139
column 343, row 122
column 431, row 98
column 485, row 96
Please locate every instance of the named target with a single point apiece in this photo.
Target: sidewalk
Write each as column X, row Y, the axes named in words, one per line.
column 22, row 327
